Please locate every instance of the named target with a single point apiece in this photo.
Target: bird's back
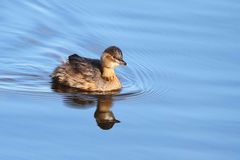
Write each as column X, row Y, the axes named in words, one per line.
column 79, row 72
column 90, row 69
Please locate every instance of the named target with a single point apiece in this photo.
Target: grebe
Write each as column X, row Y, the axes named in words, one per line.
column 91, row 74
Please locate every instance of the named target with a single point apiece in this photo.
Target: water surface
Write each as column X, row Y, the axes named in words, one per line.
column 180, row 93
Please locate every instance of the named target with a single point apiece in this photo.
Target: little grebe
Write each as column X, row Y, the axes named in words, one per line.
column 91, row 74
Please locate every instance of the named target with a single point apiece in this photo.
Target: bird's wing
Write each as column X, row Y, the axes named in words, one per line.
column 90, row 69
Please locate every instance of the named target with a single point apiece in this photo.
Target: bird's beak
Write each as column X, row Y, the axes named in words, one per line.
column 117, row 121
column 122, row 62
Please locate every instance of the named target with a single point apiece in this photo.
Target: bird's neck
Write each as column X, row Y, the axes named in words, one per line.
column 104, row 104
column 108, row 73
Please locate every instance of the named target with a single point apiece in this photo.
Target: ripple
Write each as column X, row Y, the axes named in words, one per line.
column 42, row 46
column 32, row 76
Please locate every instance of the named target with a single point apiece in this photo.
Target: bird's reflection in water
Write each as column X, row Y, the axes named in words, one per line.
column 104, row 116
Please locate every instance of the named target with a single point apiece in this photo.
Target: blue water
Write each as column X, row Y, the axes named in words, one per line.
column 180, row 94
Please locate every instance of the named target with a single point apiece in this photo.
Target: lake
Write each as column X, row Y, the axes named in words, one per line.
column 181, row 87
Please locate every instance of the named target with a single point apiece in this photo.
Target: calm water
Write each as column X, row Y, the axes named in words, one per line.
column 180, row 94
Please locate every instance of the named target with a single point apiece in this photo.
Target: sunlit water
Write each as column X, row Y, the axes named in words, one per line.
column 180, row 93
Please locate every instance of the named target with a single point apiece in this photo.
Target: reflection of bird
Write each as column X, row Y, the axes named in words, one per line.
column 104, row 116
column 91, row 74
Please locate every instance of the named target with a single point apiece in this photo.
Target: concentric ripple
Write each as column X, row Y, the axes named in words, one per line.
column 32, row 49
column 32, row 74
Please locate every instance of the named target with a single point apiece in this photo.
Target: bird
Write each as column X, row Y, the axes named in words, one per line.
column 93, row 75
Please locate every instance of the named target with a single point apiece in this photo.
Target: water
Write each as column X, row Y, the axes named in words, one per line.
column 180, row 94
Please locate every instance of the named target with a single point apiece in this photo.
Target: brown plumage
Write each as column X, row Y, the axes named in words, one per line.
column 91, row 74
